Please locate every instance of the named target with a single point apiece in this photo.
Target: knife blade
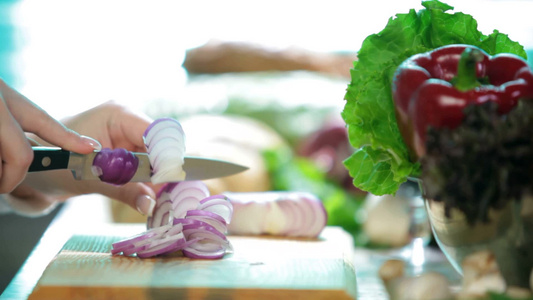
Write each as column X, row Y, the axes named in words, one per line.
column 196, row 168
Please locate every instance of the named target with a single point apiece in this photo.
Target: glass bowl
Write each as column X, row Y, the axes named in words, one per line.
column 508, row 235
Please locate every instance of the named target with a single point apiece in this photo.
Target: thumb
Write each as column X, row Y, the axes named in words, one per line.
column 139, row 196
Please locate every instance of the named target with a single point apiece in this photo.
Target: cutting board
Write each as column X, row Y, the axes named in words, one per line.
column 261, row 267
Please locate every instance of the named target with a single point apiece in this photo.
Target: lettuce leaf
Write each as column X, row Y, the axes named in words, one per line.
column 380, row 163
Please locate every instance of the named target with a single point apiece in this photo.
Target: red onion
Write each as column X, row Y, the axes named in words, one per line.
column 138, row 239
column 211, row 244
column 183, row 196
column 162, row 214
column 171, row 244
column 203, row 229
column 218, row 204
column 297, row 214
column 159, row 125
column 185, row 218
column 194, row 253
column 208, row 217
column 165, row 143
column 115, row 166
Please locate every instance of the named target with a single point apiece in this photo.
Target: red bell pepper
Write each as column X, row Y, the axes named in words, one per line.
column 432, row 89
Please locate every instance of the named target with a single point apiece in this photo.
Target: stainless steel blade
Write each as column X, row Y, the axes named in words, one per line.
column 196, row 168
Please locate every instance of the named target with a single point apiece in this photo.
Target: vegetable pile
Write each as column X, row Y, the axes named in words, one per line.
column 382, row 160
column 461, row 104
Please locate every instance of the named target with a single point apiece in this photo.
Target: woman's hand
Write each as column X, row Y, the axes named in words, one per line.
column 19, row 115
column 114, row 126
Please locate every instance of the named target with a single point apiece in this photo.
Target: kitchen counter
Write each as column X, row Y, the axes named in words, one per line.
column 78, row 218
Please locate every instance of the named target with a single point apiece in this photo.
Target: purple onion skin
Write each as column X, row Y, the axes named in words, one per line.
column 118, row 165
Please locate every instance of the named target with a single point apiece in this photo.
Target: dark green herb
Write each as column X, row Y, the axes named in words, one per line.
column 482, row 164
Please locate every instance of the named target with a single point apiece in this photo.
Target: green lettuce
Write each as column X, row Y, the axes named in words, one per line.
column 380, row 163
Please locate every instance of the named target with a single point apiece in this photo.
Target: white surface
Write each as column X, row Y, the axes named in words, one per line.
column 86, row 52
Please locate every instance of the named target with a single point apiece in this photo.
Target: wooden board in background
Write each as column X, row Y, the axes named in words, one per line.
column 259, row 268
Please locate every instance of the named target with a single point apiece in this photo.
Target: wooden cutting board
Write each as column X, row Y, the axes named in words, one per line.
column 259, row 268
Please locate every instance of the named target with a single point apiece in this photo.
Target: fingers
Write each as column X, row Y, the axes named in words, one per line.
column 127, row 127
column 15, row 151
column 32, row 118
column 139, row 196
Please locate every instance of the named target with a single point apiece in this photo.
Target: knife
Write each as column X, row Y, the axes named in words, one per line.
column 196, row 168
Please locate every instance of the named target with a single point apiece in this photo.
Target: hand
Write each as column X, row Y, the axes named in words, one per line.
column 115, row 127
column 19, row 115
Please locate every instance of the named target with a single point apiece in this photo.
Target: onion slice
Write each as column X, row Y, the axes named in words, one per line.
column 218, row 204
column 185, row 218
column 292, row 213
column 165, row 143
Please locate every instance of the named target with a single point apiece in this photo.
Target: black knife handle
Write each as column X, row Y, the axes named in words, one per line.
column 49, row 158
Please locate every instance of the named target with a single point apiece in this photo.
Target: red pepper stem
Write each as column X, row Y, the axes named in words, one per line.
column 466, row 78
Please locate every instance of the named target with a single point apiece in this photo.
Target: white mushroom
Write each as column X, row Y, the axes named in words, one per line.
column 515, row 292
column 481, row 274
column 387, row 220
column 428, row 286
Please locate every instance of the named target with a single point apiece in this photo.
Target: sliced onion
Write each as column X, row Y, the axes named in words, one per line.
column 208, row 217
column 187, row 196
column 161, row 124
column 198, row 254
column 191, row 192
column 211, row 243
column 162, row 214
column 164, row 151
column 200, row 229
column 218, row 204
column 181, row 208
column 165, row 143
column 178, row 187
column 274, row 220
column 297, row 214
column 167, row 133
column 321, row 216
column 294, row 214
column 138, row 239
column 184, row 196
column 170, row 244
column 148, row 243
column 202, row 232
column 249, row 218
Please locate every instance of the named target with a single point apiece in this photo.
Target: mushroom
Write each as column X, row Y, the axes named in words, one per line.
column 515, row 292
column 427, row 286
column 386, row 220
column 481, row 275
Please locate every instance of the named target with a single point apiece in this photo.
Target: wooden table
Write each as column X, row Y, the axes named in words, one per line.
column 77, row 219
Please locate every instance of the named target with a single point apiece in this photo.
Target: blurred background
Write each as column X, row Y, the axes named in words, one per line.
column 269, row 75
